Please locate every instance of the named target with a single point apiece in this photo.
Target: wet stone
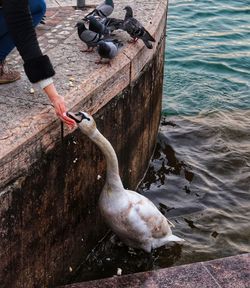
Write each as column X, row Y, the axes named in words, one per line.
column 231, row 272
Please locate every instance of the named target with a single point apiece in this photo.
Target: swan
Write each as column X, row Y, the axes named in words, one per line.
column 132, row 217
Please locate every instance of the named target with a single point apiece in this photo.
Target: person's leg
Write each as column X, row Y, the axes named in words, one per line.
column 6, row 45
column 37, row 9
column 6, row 42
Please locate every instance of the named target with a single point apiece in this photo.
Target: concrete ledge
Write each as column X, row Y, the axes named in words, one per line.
column 230, row 272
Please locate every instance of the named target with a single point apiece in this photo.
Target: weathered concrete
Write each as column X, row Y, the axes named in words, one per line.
column 63, row 3
column 48, row 187
column 230, row 272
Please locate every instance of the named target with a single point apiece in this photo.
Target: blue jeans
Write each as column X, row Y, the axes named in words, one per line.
column 37, row 10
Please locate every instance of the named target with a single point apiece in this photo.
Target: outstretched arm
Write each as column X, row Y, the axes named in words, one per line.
column 36, row 65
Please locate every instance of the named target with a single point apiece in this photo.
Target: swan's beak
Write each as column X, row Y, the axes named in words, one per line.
column 75, row 116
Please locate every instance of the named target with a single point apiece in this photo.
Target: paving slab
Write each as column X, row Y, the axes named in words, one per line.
column 62, row 3
column 229, row 272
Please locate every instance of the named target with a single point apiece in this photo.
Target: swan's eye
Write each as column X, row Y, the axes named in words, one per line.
column 78, row 117
column 83, row 116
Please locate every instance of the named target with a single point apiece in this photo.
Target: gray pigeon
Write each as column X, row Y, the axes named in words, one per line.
column 103, row 10
column 108, row 49
column 98, row 27
column 112, row 23
column 135, row 28
column 90, row 38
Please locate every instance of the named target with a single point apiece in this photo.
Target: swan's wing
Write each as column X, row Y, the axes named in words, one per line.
column 156, row 223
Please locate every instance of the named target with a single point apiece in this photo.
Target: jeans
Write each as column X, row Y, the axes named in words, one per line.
column 37, row 10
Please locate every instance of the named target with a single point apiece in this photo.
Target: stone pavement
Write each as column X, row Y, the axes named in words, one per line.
column 63, row 3
column 229, row 272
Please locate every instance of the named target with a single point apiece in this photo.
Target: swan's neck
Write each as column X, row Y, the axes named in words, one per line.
column 112, row 174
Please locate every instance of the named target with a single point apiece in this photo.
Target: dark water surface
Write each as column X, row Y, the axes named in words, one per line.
column 199, row 176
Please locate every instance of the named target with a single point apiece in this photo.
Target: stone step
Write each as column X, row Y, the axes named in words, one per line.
column 229, row 272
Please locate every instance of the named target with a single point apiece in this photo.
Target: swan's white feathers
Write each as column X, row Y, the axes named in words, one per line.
column 156, row 224
column 133, row 217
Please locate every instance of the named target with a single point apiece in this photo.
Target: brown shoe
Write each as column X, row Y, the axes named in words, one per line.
column 6, row 75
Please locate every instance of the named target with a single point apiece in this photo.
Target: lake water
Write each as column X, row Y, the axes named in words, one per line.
column 201, row 168
column 199, row 176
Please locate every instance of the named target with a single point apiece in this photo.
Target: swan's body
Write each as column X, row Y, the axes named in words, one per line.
column 133, row 217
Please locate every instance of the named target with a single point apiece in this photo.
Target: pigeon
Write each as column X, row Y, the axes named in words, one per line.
column 135, row 29
column 112, row 23
column 103, row 10
column 90, row 38
column 108, row 49
column 98, row 27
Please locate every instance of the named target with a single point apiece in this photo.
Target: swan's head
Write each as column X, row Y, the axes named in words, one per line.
column 85, row 122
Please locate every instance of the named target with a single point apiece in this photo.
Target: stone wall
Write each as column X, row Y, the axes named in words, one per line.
column 49, row 186
column 49, row 216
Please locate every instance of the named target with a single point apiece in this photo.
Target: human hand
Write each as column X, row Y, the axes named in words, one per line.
column 60, row 110
column 59, row 105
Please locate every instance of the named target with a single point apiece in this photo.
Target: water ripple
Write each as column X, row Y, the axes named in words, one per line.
column 199, row 177
column 207, row 56
column 200, row 174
